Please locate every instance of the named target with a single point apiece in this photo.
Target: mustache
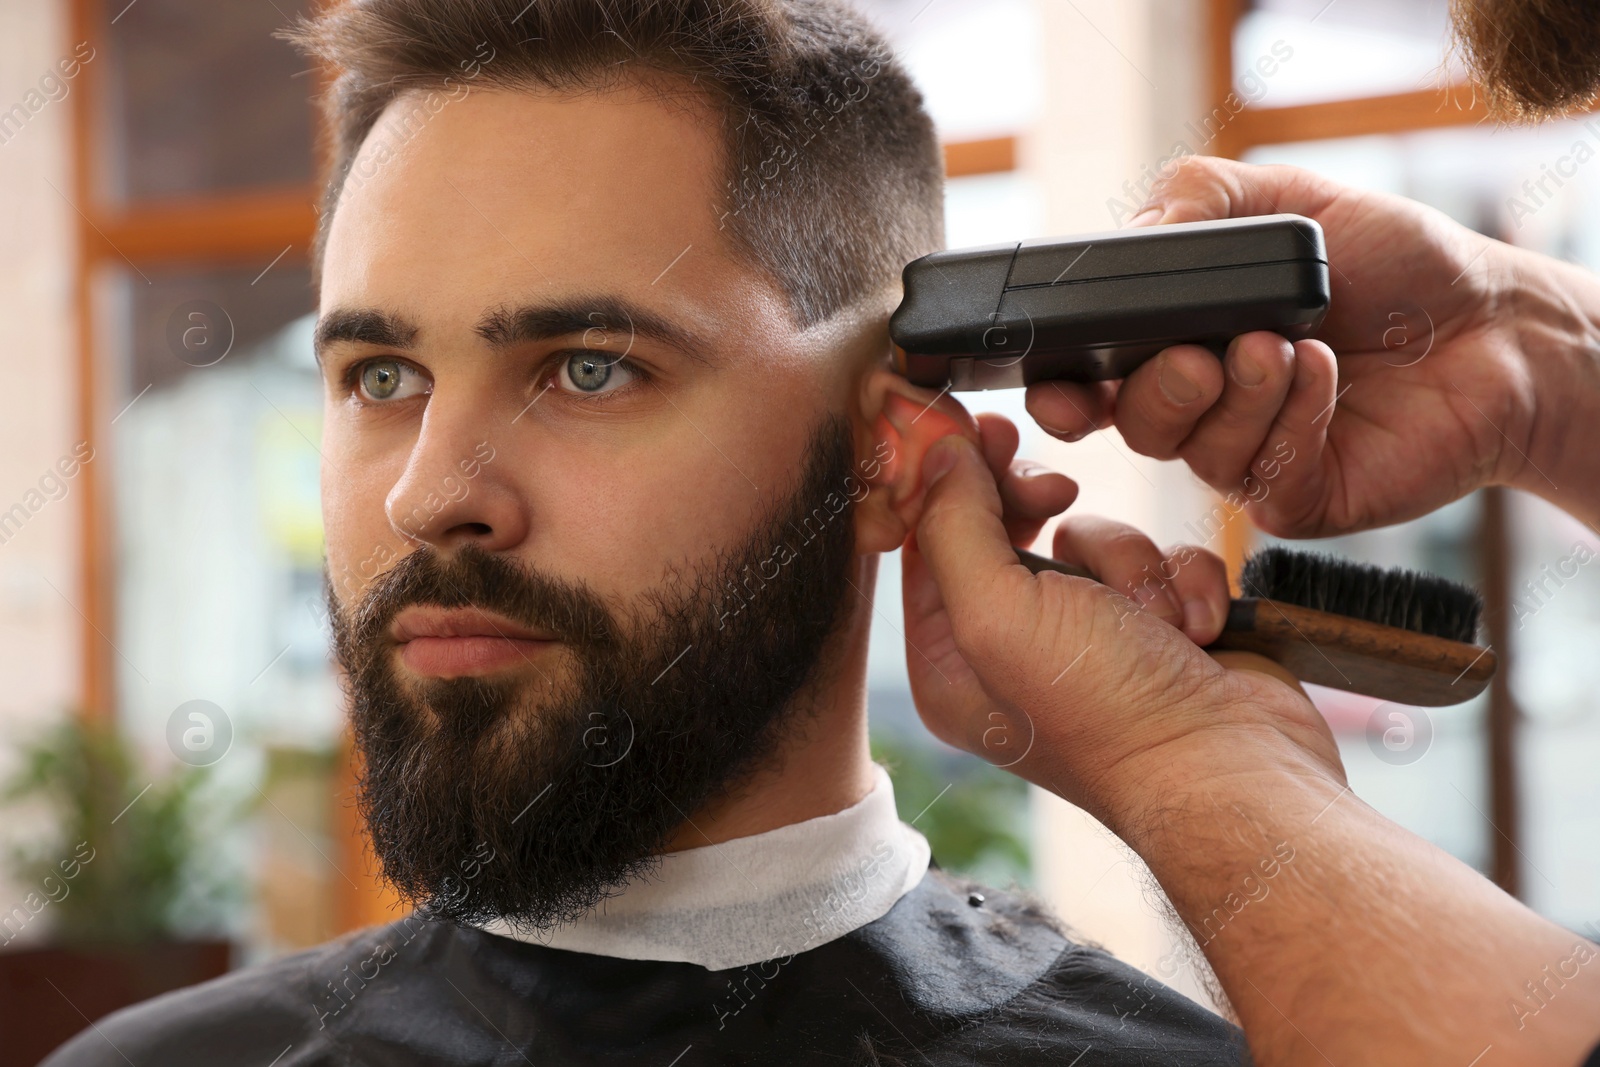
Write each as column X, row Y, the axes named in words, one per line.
column 472, row 577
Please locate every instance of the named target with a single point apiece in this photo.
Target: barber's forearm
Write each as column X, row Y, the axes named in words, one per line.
column 1341, row 937
column 1556, row 307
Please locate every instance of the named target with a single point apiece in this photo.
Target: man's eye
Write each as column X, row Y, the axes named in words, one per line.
column 594, row 372
column 389, row 379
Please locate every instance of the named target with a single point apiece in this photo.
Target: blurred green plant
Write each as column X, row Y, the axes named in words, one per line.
column 147, row 876
column 974, row 815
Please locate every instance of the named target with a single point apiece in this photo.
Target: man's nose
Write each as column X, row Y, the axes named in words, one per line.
column 457, row 487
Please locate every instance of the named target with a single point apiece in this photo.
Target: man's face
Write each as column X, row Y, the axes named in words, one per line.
column 562, row 425
column 508, row 201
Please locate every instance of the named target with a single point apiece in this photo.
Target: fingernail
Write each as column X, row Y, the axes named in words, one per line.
column 1063, row 435
column 939, row 461
column 1174, row 386
column 1196, row 617
column 1167, row 608
column 1246, row 370
column 1146, row 217
column 1028, row 469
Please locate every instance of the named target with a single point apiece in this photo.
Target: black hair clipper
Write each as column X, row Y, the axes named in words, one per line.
column 1094, row 307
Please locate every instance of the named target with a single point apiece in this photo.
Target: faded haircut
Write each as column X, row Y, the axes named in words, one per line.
column 833, row 174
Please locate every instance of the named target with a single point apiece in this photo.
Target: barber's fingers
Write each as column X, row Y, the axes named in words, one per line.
column 963, row 538
column 1071, row 410
column 1163, row 400
column 1201, row 582
column 1260, row 368
column 1289, row 468
column 1122, row 558
column 1203, row 187
column 998, row 436
column 1186, row 587
column 1030, row 493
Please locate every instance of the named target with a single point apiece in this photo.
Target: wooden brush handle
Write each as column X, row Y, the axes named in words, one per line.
column 1036, row 563
column 1340, row 652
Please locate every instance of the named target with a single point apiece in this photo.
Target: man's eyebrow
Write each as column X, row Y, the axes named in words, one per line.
column 364, row 326
column 619, row 321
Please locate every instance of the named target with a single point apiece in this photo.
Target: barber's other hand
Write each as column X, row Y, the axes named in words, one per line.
column 1090, row 693
column 1435, row 395
column 1210, row 773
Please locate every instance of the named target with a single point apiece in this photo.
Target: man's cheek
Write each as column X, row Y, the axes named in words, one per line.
column 357, row 552
column 358, row 540
column 641, row 520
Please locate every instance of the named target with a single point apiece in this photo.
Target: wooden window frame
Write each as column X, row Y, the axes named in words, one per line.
column 1253, row 126
column 226, row 229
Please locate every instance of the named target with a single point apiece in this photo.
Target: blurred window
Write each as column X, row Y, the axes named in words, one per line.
column 216, row 504
column 979, row 65
column 1340, row 50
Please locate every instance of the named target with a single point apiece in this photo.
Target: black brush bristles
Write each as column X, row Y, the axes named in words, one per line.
column 1422, row 603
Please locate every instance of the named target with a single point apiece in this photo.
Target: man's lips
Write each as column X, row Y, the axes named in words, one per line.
column 458, row 642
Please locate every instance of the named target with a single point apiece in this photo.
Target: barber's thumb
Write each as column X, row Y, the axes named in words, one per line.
column 1202, row 188
column 960, row 534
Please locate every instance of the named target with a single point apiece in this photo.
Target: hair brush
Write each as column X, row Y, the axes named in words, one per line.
column 1393, row 634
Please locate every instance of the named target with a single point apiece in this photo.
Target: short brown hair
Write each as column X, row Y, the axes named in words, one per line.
column 834, row 174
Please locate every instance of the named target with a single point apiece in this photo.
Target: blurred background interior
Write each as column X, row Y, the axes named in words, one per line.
column 170, row 730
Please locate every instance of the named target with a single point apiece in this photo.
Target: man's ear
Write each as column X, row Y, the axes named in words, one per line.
column 903, row 421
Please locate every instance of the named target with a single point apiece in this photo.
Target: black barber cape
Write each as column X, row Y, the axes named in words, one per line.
column 954, row 974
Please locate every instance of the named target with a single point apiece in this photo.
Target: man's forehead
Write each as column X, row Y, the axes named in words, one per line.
column 513, row 198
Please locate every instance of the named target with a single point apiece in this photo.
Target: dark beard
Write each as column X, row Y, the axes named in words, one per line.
column 533, row 800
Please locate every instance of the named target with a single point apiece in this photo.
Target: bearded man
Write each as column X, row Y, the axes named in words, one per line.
column 604, row 340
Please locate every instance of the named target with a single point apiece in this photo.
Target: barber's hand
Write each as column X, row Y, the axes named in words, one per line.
column 1072, row 684
column 1095, row 695
column 1435, row 397
column 1223, row 777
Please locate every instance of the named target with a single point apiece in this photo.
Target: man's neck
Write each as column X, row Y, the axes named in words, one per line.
column 824, row 765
